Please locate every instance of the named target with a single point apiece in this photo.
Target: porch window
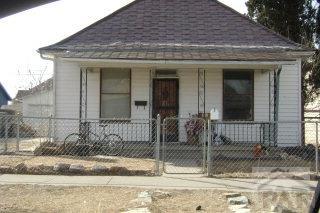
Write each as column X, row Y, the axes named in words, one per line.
column 115, row 93
column 237, row 95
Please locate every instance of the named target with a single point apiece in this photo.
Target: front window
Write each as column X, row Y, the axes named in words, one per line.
column 237, row 95
column 115, row 93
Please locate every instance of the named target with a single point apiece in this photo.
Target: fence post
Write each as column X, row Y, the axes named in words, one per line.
column 204, row 140
column 209, row 139
column 6, row 135
column 157, row 151
column 49, row 128
column 317, row 149
column 18, row 134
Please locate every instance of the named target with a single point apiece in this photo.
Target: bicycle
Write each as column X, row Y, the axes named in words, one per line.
column 83, row 143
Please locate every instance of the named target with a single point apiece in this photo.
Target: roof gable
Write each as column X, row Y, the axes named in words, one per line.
column 171, row 25
column 4, row 92
column 43, row 86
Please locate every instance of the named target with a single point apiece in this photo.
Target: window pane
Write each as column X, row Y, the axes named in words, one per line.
column 238, row 86
column 238, row 95
column 238, row 107
column 115, row 81
column 115, row 106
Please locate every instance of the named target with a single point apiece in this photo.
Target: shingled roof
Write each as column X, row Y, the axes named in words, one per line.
column 175, row 30
column 44, row 86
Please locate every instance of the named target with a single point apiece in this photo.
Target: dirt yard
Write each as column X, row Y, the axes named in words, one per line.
column 87, row 162
column 27, row 198
column 245, row 168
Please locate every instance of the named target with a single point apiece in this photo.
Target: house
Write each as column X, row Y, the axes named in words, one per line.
column 179, row 58
column 4, row 96
column 34, row 102
column 37, row 101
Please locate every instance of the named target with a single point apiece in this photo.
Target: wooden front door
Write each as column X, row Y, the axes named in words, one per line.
column 166, row 103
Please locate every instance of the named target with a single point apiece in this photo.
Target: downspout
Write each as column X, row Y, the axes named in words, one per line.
column 53, row 80
column 52, row 132
column 277, row 93
column 276, row 108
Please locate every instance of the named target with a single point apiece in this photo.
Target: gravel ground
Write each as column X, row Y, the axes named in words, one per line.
column 28, row 198
column 88, row 162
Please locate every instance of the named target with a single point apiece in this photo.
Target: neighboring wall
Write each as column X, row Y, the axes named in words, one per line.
column 38, row 104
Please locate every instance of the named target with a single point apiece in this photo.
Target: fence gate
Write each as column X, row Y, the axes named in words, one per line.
column 184, row 146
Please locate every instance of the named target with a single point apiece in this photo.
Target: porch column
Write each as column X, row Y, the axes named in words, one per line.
column 201, row 91
column 83, row 94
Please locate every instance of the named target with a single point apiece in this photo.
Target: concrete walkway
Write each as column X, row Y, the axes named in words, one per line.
column 167, row 182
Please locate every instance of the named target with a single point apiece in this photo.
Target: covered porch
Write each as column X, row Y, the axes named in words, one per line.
column 256, row 93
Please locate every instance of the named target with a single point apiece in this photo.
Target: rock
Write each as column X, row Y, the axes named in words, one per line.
column 40, row 169
column 156, row 195
column 235, row 208
column 99, row 169
column 145, row 196
column 76, row 168
column 241, row 200
column 5, row 169
column 21, row 168
column 143, row 200
column 115, row 170
column 138, row 210
column 230, row 195
column 280, row 209
column 243, row 210
column 199, row 208
column 284, row 156
column 61, row 167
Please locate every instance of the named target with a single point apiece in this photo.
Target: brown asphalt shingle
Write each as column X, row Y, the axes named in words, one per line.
column 177, row 30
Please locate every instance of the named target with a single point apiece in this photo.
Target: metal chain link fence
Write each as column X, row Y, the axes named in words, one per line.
column 252, row 149
column 153, row 146
column 124, row 145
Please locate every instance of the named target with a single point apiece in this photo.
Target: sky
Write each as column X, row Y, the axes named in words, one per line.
column 22, row 34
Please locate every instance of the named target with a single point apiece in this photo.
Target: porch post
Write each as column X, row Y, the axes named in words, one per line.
column 201, row 91
column 83, row 94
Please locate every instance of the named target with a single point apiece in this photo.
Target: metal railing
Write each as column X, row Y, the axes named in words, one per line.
column 171, row 145
column 245, row 147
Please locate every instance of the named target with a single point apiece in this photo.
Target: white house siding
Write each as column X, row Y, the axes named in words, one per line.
column 289, row 106
column 38, row 104
column 36, row 108
column 67, row 98
column 68, row 91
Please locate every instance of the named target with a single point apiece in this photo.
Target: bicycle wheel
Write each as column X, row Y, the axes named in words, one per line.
column 112, row 144
column 72, row 143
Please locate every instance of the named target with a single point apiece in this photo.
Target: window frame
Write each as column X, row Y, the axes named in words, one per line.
column 252, row 92
column 130, row 94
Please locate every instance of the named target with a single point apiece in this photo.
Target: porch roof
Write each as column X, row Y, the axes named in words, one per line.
column 176, row 30
column 178, row 53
